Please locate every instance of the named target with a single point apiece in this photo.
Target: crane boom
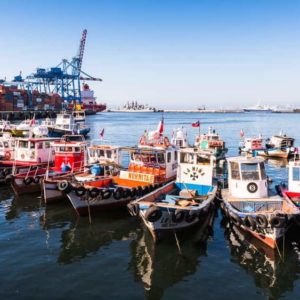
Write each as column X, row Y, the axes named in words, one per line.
column 81, row 49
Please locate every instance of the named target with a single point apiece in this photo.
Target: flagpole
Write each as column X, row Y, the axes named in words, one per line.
column 199, row 127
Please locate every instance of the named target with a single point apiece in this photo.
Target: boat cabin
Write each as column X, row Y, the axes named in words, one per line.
column 79, row 115
column 210, row 140
column 194, row 172
column 179, row 138
column 65, row 121
column 294, row 176
column 70, row 153
column 281, row 141
column 247, row 177
column 7, row 146
column 104, row 154
column 250, row 144
column 34, row 150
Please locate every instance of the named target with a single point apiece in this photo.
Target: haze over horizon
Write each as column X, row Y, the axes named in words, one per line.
column 169, row 54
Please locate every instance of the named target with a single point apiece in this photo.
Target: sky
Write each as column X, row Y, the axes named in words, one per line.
column 167, row 53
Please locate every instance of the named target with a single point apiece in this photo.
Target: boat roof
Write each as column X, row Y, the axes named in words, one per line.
column 104, row 147
column 147, row 149
column 283, row 137
column 37, row 139
column 246, row 159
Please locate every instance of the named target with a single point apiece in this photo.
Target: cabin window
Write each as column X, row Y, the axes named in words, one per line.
column 47, row 144
column 6, row 145
column 160, row 158
column 183, row 158
column 40, row 145
column 175, row 155
column 32, row 145
column 23, row 144
column 153, row 158
column 169, row 157
column 91, row 153
column 250, row 171
column 66, row 126
column 296, row 174
column 201, row 160
column 61, row 149
column 235, row 172
column 108, row 154
column 145, row 158
column 263, row 171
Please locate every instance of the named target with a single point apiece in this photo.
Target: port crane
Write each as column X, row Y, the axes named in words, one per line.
column 64, row 79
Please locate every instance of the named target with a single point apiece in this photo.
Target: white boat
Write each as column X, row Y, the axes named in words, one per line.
column 248, row 204
column 182, row 204
column 179, row 138
column 7, row 146
column 134, row 106
column 258, row 108
column 250, row 145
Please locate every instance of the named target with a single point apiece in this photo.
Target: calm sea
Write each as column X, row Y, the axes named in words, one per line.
column 50, row 253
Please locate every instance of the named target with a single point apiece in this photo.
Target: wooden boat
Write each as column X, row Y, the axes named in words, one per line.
column 152, row 163
column 65, row 123
column 280, row 145
column 183, row 204
column 250, row 145
column 30, row 164
column 248, row 205
column 211, row 145
column 70, row 159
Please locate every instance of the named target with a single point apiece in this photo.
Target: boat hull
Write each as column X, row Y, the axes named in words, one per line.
column 57, row 132
column 51, row 193
column 275, row 152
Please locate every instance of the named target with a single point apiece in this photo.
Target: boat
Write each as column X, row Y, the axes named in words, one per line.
column 65, row 124
column 280, row 145
column 211, row 145
column 134, row 106
column 248, row 204
column 32, row 155
column 249, row 145
column 153, row 162
column 179, row 138
column 258, row 108
column 5, row 126
column 183, row 203
column 88, row 100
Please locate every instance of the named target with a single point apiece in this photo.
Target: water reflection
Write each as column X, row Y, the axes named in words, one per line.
column 159, row 266
column 79, row 238
column 274, row 273
column 277, row 162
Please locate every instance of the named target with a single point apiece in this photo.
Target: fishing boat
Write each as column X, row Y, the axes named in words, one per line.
column 179, row 138
column 280, row 145
column 258, row 108
column 5, row 126
column 152, row 163
column 248, row 204
column 249, row 145
column 183, row 203
column 29, row 165
column 65, row 124
column 211, row 145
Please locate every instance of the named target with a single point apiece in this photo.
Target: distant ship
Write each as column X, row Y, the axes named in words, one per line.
column 134, row 106
column 89, row 101
column 258, row 108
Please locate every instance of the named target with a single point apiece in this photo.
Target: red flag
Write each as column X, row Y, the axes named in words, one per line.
column 242, row 133
column 160, row 127
column 196, row 124
column 32, row 121
column 102, row 133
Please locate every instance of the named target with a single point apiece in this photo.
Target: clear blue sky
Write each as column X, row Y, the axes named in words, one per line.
column 166, row 53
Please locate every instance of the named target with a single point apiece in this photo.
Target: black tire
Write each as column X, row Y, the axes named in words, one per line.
column 236, row 220
column 118, row 193
column 106, row 193
column 6, row 171
column 146, row 190
column 62, row 185
column 126, row 193
column 178, row 216
column 191, row 216
column 27, row 180
column 80, row 191
column 133, row 192
column 8, row 179
column 278, row 190
column 94, row 192
column 261, row 221
column 153, row 214
column 139, row 191
column 252, row 187
column 133, row 209
column 2, row 174
column 36, row 180
column 156, row 186
column 250, row 222
column 297, row 219
column 278, row 221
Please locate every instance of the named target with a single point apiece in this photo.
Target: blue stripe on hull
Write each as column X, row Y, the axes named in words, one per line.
column 201, row 189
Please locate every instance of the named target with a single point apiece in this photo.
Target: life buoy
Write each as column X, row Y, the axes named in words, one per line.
column 178, row 216
column 133, row 209
column 278, row 221
column 153, row 214
column 250, row 222
column 36, row 180
column 166, row 141
column 261, row 221
column 94, row 192
column 191, row 216
column 106, row 193
column 7, row 155
column 236, row 220
column 80, row 191
column 252, row 187
column 62, row 185
column 27, row 180
column 118, row 193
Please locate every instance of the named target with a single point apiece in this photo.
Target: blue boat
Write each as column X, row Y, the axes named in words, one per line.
column 65, row 124
column 181, row 204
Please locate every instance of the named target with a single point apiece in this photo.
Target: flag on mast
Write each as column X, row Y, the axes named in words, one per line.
column 160, row 127
column 242, row 133
column 196, row 124
column 102, row 133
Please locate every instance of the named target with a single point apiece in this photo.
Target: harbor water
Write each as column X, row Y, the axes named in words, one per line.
column 51, row 253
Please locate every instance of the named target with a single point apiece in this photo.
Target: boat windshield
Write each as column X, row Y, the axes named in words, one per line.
column 250, row 171
column 296, row 174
